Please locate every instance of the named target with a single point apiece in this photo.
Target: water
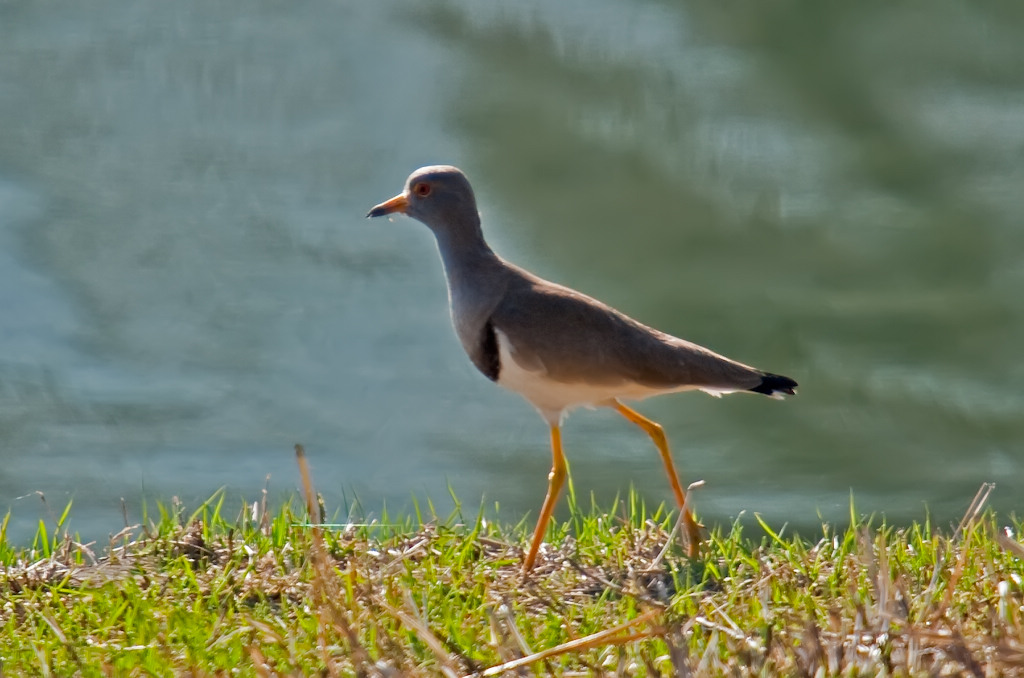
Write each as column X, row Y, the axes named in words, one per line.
column 188, row 286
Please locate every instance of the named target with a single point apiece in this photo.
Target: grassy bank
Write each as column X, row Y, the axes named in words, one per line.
column 269, row 594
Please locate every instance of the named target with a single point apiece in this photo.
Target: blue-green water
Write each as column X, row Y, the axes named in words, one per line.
column 188, row 286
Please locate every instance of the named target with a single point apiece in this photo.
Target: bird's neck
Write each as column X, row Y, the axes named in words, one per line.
column 463, row 248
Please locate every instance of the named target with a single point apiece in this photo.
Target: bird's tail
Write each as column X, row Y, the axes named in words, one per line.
column 775, row 386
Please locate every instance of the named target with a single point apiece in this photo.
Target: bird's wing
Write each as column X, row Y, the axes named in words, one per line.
column 571, row 337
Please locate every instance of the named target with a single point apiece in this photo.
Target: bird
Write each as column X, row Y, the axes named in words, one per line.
column 558, row 348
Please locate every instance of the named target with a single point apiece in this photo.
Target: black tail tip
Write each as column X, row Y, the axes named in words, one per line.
column 775, row 385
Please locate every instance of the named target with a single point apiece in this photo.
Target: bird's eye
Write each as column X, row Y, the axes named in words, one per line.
column 421, row 189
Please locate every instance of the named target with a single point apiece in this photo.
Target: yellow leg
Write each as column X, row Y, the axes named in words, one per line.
column 555, row 481
column 657, row 434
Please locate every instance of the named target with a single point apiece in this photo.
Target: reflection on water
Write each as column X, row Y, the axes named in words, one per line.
column 188, row 286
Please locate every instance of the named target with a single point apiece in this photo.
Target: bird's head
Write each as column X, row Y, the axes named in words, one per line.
column 439, row 195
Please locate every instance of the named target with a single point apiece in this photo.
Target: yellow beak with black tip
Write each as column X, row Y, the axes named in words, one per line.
column 397, row 204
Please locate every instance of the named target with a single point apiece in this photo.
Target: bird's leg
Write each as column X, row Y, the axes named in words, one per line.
column 555, row 481
column 657, row 434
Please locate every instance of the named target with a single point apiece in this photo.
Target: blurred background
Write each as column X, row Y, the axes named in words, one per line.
column 831, row 191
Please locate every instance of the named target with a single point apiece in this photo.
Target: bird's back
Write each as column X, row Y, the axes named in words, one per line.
column 571, row 337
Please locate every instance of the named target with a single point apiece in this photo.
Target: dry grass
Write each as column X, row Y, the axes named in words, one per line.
column 272, row 595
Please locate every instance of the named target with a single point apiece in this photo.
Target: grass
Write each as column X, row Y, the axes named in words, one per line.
column 268, row 593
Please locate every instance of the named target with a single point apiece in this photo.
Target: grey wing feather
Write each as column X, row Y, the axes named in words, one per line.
column 572, row 337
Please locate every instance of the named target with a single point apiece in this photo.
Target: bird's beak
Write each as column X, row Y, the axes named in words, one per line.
column 397, row 204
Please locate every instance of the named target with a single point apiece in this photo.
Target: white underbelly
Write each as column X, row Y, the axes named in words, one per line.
column 555, row 398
